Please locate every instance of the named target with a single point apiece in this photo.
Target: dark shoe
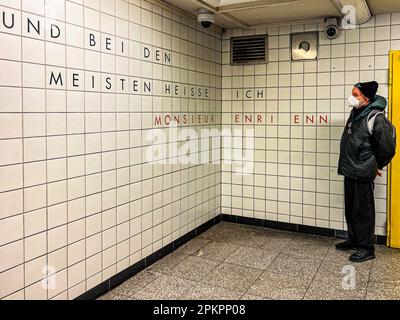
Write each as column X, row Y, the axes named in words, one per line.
column 362, row 255
column 347, row 245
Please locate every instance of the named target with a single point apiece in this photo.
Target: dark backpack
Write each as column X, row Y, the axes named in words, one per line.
column 387, row 150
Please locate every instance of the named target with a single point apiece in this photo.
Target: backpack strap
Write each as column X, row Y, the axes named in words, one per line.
column 371, row 119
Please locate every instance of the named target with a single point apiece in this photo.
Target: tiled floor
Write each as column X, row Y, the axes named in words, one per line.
column 232, row 261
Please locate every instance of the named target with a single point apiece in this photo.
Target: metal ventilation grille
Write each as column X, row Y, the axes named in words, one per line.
column 249, row 49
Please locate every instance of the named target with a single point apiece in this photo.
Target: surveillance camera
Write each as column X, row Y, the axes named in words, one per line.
column 331, row 32
column 205, row 17
column 331, row 28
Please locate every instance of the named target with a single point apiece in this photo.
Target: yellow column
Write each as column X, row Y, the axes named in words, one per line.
column 393, row 191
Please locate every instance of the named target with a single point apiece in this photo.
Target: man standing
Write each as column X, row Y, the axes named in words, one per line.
column 362, row 156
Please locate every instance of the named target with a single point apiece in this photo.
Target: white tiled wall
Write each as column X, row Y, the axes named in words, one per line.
column 76, row 193
column 295, row 163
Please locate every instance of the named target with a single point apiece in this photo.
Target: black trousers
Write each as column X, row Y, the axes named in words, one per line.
column 360, row 211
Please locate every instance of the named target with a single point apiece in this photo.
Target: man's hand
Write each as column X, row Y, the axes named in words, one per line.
column 378, row 173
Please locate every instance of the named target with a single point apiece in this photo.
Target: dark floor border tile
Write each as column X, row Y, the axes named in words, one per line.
column 207, row 225
column 381, row 240
column 279, row 225
column 129, row 272
column 250, row 221
column 341, row 234
column 327, row 232
column 120, row 277
column 124, row 275
column 182, row 240
column 316, row 230
column 95, row 292
column 161, row 253
column 229, row 218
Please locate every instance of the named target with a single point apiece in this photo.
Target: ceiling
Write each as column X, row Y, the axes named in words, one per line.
column 250, row 13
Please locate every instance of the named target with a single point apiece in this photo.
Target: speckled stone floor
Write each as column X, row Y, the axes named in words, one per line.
column 233, row 261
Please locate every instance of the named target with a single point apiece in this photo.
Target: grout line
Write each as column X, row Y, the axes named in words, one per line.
column 46, row 162
column 23, row 172
column 101, row 168
column 66, row 168
column 85, row 164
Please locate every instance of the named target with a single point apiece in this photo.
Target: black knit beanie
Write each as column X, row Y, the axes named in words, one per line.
column 368, row 89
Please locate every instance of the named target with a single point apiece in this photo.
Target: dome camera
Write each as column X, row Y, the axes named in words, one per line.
column 205, row 17
column 331, row 28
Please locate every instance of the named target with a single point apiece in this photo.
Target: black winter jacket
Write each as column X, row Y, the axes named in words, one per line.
column 360, row 155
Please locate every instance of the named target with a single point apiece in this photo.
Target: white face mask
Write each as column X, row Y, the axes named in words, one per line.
column 353, row 102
